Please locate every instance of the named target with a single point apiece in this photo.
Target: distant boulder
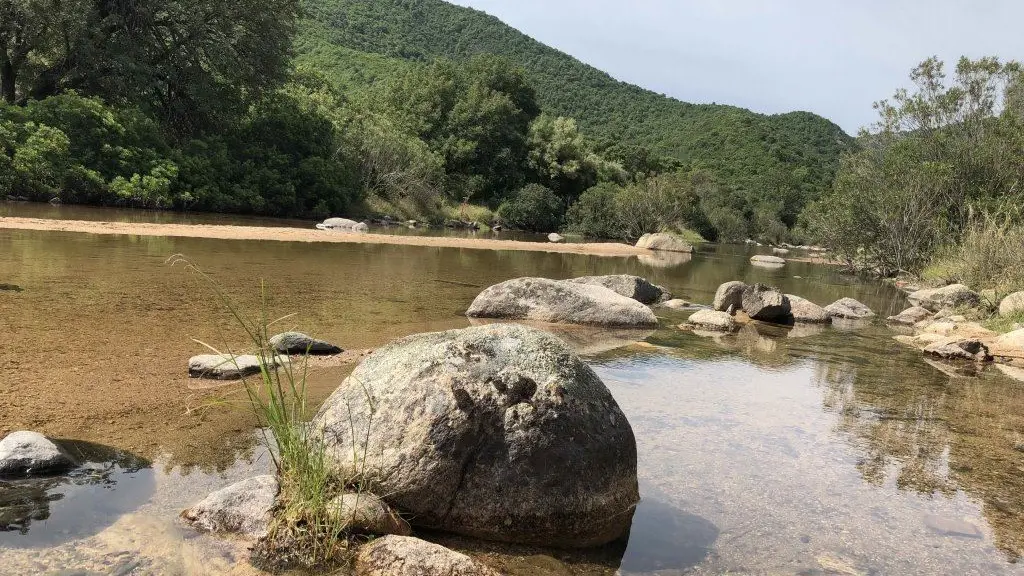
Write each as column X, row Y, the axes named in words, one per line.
column 910, row 316
column 780, row 251
column 337, row 224
column 676, row 304
column 805, row 311
column 556, row 238
column 767, row 261
column 545, row 300
column 665, row 242
column 729, row 296
column 361, row 227
column 767, row 304
column 629, row 286
column 1012, row 304
column 952, row 296
column 299, row 343
column 848, row 309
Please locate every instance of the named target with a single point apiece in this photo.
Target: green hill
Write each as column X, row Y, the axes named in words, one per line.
column 360, row 41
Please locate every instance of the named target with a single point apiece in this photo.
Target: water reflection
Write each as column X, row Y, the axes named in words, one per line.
column 44, row 511
column 665, row 539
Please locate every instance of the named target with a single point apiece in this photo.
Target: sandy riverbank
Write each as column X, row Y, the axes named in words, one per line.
column 224, row 232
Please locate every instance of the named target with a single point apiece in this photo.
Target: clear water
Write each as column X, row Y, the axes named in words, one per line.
column 832, row 451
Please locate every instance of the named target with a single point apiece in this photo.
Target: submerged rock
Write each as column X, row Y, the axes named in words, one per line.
column 729, row 296
column 497, row 432
column 626, row 285
column 780, row 251
column 299, row 343
column 243, row 508
column 804, row 310
column 767, row 304
column 31, row 453
column 848, row 309
column 910, row 316
column 556, row 238
column 952, row 296
column 407, row 556
column 225, row 366
column 1012, row 304
column 713, row 320
column 676, row 304
column 959, row 349
column 770, row 261
column 665, row 242
column 546, row 300
column 365, row 513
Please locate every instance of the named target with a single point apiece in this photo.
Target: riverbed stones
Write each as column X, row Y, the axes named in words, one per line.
column 225, row 366
column 407, row 556
column 241, row 508
column 497, row 432
column 767, row 261
column 365, row 513
column 729, row 296
column 26, row 453
column 627, row 285
column 805, row 311
column 849, row 309
column 544, row 300
column 299, row 343
column 952, row 296
column 665, row 242
column 910, row 316
column 1012, row 304
column 767, row 304
column 959, row 349
column 713, row 320
column 556, row 238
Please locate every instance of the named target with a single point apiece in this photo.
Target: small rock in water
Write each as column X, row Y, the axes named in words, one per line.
column 10, row 288
column 544, row 300
column 767, row 261
column 804, row 310
column 299, row 343
column 408, row 556
column 676, row 304
column 665, row 242
column 626, row 285
column 30, row 453
column 729, row 295
column 910, row 316
column 952, row 526
column 555, row 238
column 243, row 507
column 225, row 366
column 766, row 304
column 848, row 309
column 713, row 320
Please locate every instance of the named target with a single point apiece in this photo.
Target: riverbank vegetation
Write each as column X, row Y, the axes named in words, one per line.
column 938, row 184
column 346, row 107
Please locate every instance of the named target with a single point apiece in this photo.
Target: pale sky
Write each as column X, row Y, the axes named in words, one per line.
column 831, row 57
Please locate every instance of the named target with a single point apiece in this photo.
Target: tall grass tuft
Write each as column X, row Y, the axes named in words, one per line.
column 307, row 530
column 989, row 256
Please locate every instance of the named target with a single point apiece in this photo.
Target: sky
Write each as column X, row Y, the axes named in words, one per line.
column 831, row 57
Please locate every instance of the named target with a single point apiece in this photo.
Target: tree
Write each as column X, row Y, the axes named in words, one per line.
column 560, row 157
column 533, row 208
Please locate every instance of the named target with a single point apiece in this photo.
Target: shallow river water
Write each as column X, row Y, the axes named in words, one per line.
column 829, row 451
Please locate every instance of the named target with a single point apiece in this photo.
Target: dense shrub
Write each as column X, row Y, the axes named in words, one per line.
column 596, row 213
column 990, row 255
column 533, row 208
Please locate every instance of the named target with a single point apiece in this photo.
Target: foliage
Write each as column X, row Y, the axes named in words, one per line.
column 938, row 155
column 561, row 158
column 786, row 159
column 989, row 254
column 596, row 213
column 533, row 208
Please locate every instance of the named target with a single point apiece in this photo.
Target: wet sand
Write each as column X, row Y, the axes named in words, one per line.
column 225, row 232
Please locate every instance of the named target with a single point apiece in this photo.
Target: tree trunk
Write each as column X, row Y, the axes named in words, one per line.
column 7, row 80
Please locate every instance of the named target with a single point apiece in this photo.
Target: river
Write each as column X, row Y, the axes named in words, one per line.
column 811, row 451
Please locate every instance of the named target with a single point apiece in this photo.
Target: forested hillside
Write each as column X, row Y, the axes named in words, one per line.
column 756, row 153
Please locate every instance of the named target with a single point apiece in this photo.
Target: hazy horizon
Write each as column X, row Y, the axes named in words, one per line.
column 831, row 58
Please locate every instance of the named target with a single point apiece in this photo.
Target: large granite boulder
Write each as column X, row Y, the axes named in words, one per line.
column 407, row 556
column 713, row 320
column 496, row 432
column 30, row 453
column 910, row 316
column 767, row 304
column 729, row 296
column 952, row 296
column 299, row 343
column 664, row 242
column 1012, row 304
column 805, row 311
column 629, row 286
column 546, row 300
column 848, row 309
column 242, row 508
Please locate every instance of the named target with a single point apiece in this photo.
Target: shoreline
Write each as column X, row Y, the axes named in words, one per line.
column 230, row 232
